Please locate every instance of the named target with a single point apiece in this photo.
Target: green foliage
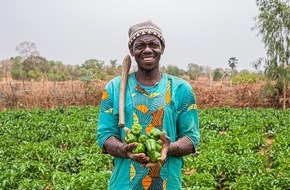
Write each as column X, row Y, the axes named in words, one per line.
column 56, row 149
column 87, row 77
column 32, row 66
column 95, row 67
column 217, row 74
column 37, row 68
column 193, row 71
column 17, row 72
column 273, row 24
column 244, row 79
column 229, row 155
column 174, row 70
column 51, row 148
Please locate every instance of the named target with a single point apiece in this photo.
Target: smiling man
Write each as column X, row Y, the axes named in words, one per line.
column 153, row 100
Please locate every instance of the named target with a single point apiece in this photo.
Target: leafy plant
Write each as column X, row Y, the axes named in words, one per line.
column 56, row 149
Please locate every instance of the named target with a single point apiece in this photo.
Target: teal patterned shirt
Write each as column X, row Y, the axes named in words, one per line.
column 169, row 105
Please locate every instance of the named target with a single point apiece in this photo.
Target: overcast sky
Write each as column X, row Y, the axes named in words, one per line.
column 205, row 32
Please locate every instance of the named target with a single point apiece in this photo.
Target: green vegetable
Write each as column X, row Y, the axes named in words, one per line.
column 139, row 149
column 154, row 155
column 154, row 134
column 142, row 139
column 158, row 146
column 130, row 138
column 150, row 145
column 136, row 129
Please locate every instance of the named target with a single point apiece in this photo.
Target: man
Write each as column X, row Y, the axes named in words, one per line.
column 153, row 100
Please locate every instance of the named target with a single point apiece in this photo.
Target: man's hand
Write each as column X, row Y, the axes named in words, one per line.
column 116, row 148
column 139, row 157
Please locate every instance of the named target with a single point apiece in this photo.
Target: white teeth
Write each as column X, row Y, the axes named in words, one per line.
column 148, row 58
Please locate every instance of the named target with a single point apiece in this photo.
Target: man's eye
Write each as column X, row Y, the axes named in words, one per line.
column 154, row 45
column 139, row 46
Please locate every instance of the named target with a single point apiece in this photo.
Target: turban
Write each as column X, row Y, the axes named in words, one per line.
column 145, row 28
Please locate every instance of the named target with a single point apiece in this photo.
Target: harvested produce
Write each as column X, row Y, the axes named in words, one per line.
column 130, row 138
column 149, row 143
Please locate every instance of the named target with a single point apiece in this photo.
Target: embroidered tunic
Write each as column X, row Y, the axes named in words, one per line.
column 169, row 105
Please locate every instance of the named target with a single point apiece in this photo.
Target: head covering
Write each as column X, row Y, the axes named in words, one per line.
column 143, row 28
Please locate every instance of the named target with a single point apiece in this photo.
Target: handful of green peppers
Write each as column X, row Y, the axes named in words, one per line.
column 150, row 144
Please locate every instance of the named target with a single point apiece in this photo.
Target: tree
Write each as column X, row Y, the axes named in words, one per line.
column 244, row 72
column 174, row 70
column 207, row 71
column 217, row 74
column 27, row 49
column 193, row 71
column 273, row 24
column 59, row 72
column 35, row 67
column 94, row 67
column 17, row 71
column 5, row 69
column 233, row 61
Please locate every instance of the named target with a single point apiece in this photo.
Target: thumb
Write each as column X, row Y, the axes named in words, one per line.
column 165, row 139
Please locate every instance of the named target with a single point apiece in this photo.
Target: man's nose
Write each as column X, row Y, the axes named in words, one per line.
column 148, row 48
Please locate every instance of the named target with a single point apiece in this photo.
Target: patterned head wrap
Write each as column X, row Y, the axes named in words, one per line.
column 144, row 28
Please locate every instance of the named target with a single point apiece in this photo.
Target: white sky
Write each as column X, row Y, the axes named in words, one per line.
column 205, row 32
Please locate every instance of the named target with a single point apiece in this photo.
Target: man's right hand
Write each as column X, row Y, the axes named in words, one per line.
column 139, row 157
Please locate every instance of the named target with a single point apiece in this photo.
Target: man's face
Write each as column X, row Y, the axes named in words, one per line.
column 147, row 50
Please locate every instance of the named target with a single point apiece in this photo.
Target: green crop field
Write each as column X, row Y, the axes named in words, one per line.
column 56, row 149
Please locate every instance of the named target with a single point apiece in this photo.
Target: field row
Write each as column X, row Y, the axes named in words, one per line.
column 56, row 149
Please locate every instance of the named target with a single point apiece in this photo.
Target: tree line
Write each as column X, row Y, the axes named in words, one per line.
column 34, row 67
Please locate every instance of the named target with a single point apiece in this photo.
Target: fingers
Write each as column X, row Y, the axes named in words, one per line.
column 129, row 147
column 165, row 145
column 155, row 164
column 140, row 158
column 163, row 152
column 152, row 165
column 163, row 136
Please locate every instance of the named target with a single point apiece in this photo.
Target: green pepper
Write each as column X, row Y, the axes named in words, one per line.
column 150, row 145
column 136, row 129
column 154, row 133
column 154, row 155
column 139, row 149
column 158, row 146
column 130, row 138
column 142, row 139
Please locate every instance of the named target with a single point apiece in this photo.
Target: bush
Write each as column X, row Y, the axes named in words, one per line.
column 244, row 79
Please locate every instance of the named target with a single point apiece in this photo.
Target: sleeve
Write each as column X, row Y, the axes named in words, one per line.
column 108, row 118
column 187, row 121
